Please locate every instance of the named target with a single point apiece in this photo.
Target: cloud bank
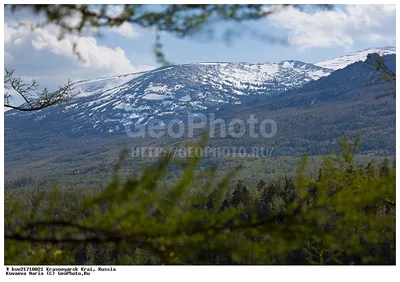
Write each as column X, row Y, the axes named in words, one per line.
column 340, row 27
column 38, row 54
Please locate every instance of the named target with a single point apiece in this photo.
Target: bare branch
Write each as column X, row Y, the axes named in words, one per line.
column 34, row 101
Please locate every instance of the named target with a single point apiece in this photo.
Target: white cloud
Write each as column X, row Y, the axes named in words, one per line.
column 126, row 30
column 9, row 34
column 339, row 27
column 93, row 55
column 38, row 54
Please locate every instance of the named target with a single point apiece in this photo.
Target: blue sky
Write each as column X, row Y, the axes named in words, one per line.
column 250, row 47
column 310, row 36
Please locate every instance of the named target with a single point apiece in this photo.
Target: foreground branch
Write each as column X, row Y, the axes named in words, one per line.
column 34, row 101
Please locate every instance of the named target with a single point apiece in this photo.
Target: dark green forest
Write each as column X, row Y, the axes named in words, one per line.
column 344, row 214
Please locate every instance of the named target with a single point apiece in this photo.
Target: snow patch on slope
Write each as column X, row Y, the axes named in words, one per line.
column 99, row 85
column 344, row 61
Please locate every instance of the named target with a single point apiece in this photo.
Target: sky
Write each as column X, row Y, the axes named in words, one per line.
column 311, row 36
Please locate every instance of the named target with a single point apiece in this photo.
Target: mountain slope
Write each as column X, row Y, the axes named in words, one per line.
column 311, row 119
column 343, row 61
column 107, row 105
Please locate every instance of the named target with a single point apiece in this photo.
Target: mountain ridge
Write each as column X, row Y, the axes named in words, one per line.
column 109, row 104
column 361, row 55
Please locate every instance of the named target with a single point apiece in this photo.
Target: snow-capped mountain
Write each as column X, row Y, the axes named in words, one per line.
column 109, row 104
column 104, row 105
column 344, row 61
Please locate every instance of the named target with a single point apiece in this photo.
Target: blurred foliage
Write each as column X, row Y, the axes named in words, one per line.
column 346, row 215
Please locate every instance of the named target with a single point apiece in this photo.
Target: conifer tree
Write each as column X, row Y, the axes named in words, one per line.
column 288, row 190
column 384, row 170
column 90, row 254
column 260, row 185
